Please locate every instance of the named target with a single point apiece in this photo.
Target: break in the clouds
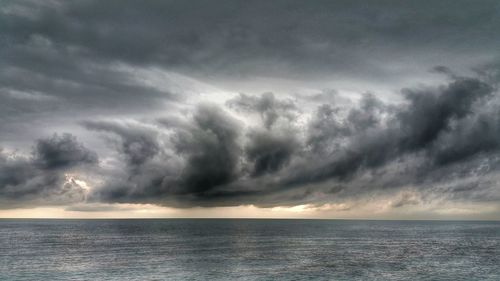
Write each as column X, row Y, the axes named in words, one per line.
column 40, row 177
column 265, row 103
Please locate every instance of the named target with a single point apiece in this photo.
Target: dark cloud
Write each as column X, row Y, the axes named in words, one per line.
column 232, row 36
column 368, row 115
column 211, row 150
column 40, row 179
column 422, row 142
column 209, row 155
column 138, row 144
column 38, row 65
column 270, row 152
column 324, row 128
column 145, row 172
column 413, row 128
column 84, row 56
column 479, row 134
column 430, row 113
column 437, row 135
column 332, row 124
column 69, row 51
column 66, row 61
column 62, row 152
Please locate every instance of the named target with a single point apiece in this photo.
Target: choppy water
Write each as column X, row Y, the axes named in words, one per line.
column 248, row 250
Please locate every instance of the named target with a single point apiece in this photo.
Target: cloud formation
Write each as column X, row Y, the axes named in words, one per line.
column 267, row 106
column 270, row 152
column 424, row 143
column 41, row 178
column 360, row 101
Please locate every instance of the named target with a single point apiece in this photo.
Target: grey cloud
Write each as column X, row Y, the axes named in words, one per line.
column 138, row 144
column 70, row 79
column 69, row 51
column 480, row 134
column 422, row 142
column 231, row 36
column 40, row 180
column 407, row 198
column 332, row 124
column 209, row 154
column 430, row 113
column 211, row 149
column 413, row 128
column 325, row 127
column 270, row 152
column 62, row 152
column 267, row 106
column 62, row 62
column 368, row 114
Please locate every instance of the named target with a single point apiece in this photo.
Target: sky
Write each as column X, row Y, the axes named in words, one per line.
column 255, row 109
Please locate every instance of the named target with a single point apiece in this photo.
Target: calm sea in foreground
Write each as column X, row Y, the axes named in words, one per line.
column 199, row 249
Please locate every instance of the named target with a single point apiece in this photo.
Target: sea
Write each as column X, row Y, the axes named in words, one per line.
column 248, row 249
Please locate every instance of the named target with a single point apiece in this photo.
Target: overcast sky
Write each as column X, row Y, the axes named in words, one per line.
column 321, row 109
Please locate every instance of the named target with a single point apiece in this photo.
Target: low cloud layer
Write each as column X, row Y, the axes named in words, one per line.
column 440, row 141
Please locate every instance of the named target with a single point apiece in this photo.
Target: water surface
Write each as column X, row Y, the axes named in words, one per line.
column 219, row 249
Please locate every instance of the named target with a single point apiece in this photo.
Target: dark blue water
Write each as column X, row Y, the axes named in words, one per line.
column 248, row 250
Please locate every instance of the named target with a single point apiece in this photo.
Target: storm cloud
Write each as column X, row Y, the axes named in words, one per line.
column 429, row 133
column 40, row 179
column 270, row 152
column 269, row 103
column 414, row 127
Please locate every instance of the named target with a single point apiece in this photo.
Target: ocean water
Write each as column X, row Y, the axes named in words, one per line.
column 219, row 249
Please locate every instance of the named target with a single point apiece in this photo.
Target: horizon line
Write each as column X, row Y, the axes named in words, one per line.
column 248, row 218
